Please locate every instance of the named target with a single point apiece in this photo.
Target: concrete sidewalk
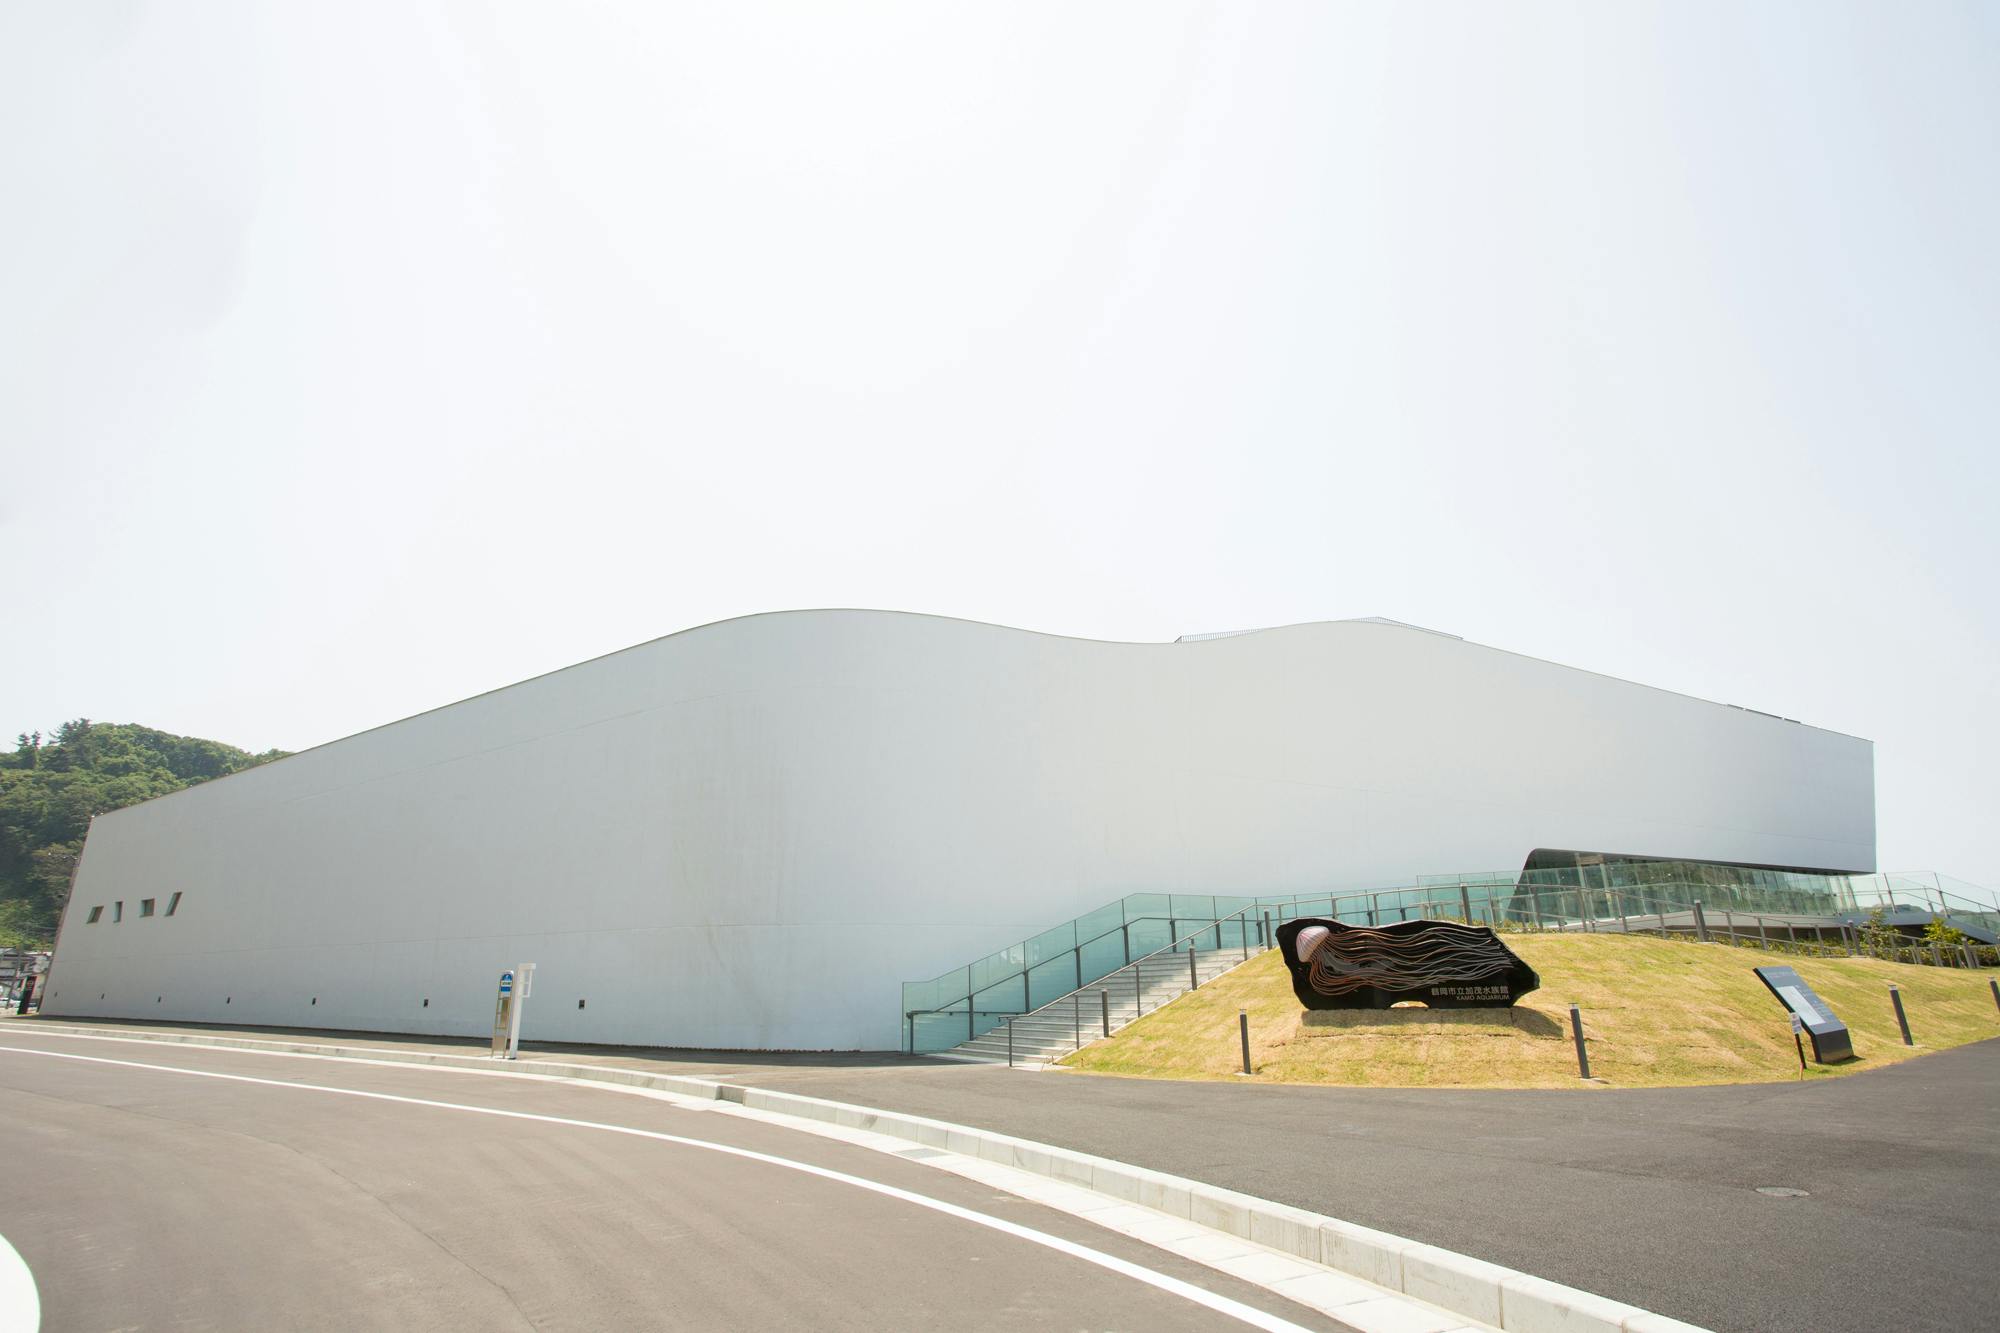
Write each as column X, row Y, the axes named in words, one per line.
column 1648, row 1196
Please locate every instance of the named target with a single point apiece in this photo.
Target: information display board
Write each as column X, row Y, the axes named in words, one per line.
column 1830, row 1040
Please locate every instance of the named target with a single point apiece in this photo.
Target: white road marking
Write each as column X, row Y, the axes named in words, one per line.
column 1172, row 1285
column 20, row 1303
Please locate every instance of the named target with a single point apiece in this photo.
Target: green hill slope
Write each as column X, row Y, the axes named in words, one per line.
column 1656, row 1013
column 49, row 790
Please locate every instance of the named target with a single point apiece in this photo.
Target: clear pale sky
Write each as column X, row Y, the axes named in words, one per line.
column 357, row 358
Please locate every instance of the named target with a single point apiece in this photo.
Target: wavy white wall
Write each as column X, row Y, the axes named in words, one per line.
column 750, row 834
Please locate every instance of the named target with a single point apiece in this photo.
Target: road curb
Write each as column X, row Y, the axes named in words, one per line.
column 1488, row 1293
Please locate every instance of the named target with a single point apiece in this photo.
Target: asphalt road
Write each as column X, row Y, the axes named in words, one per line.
column 1645, row 1195
column 170, row 1197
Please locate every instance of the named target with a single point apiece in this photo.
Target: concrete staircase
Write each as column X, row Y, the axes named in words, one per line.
column 1101, row 1008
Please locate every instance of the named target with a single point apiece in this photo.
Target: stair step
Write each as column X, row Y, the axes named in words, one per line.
column 1052, row 1030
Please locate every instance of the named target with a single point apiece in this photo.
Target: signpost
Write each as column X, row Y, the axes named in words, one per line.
column 1830, row 1039
column 503, row 1011
column 507, row 1010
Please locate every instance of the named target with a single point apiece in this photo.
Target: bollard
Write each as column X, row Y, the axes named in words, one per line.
column 1138, row 995
column 1267, row 930
column 1194, row 981
column 1576, row 1031
column 1010, row 1043
column 1465, row 902
column 1996, row 991
column 1902, row 1019
column 1243, row 1028
column 1700, row 923
column 1104, row 998
column 1076, row 1007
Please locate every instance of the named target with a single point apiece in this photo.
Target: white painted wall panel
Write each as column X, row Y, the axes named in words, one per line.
column 750, row 834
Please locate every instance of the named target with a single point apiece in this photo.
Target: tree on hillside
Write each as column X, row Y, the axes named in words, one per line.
column 49, row 790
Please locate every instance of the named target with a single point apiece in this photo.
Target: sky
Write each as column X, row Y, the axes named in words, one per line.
column 358, row 358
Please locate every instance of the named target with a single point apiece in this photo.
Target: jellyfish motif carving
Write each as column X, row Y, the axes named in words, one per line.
column 1444, row 964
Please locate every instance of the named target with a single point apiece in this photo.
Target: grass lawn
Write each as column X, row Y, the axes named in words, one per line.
column 1656, row 1013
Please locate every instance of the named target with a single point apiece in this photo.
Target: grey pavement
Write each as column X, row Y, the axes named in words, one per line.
column 1648, row 1196
column 142, row 1198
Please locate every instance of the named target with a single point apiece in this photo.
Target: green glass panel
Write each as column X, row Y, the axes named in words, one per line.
column 1104, row 921
column 1051, row 944
column 1103, row 956
column 995, row 968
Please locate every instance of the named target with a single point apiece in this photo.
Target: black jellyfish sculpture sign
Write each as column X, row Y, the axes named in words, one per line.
column 1442, row 963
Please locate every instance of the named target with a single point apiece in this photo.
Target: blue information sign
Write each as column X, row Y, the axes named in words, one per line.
column 506, row 983
column 1830, row 1040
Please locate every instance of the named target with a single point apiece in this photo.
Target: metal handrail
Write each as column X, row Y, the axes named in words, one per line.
column 1259, row 903
column 1505, row 904
column 1279, row 908
column 1074, row 999
column 1210, row 926
column 1272, row 911
column 1335, row 906
column 1214, row 927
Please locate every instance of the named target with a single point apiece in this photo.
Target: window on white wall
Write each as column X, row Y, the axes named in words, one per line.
column 173, row 904
column 145, row 907
column 95, row 913
column 117, row 911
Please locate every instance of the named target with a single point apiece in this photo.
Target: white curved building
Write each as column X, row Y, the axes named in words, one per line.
column 749, row 834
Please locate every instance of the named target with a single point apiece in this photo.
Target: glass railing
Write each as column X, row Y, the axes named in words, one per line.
column 1743, row 888
column 968, row 1001
column 1963, row 905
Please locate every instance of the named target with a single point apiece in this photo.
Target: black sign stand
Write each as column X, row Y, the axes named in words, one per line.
column 1830, row 1039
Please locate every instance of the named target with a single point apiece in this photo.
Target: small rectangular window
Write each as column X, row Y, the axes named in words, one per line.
column 173, row 904
column 145, row 907
column 117, row 911
column 95, row 913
